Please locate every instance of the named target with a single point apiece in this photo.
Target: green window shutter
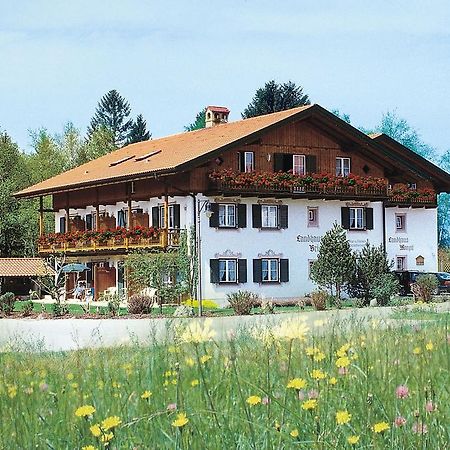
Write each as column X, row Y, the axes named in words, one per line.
column 283, row 216
column 214, row 219
column 241, row 215
column 278, row 162
column 176, row 215
column 256, row 216
column 345, row 218
column 257, row 271
column 284, row 270
column 214, row 270
column 311, row 163
column 155, row 216
column 369, row 218
column 242, row 271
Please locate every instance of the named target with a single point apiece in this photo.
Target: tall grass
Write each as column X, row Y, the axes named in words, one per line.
column 234, row 393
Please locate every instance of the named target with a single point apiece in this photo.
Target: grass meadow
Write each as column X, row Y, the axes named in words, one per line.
column 331, row 386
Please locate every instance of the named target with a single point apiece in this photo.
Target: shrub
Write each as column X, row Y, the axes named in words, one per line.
column 424, row 287
column 59, row 309
column 242, row 302
column 27, row 308
column 267, row 306
column 140, row 304
column 319, row 300
column 206, row 304
column 383, row 287
column 7, row 301
column 113, row 303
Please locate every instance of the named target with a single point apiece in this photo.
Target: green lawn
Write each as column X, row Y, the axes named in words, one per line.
column 280, row 388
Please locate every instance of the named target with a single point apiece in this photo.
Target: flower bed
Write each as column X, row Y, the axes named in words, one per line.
column 289, row 181
column 82, row 237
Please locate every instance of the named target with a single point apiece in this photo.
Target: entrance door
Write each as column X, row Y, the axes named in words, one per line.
column 104, row 278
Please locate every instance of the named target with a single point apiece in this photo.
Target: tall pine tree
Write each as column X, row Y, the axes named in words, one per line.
column 112, row 113
column 199, row 122
column 335, row 262
column 275, row 97
column 138, row 131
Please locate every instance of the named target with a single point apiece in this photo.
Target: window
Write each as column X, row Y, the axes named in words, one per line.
column 401, row 263
column 269, row 216
column 400, row 222
column 227, row 215
column 412, row 186
column 121, row 218
column 298, row 164
column 171, row 216
column 356, row 218
column 249, row 165
column 62, row 224
column 89, row 222
column 342, row 167
column 313, row 216
column 227, row 270
column 270, row 270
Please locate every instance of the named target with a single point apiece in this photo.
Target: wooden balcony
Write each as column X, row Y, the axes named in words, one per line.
column 306, row 191
column 60, row 243
column 426, row 201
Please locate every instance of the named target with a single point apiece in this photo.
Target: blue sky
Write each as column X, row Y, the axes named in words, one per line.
column 171, row 58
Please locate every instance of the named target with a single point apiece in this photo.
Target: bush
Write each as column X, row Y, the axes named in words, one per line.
column 140, row 304
column 27, row 308
column 242, row 302
column 424, row 287
column 7, row 301
column 59, row 309
column 267, row 307
column 206, row 304
column 319, row 300
column 384, row 287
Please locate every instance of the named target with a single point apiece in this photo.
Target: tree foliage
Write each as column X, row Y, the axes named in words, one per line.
column 370, row 263
column 199, row 122
column 335, row 262
column 275, row 97
column 138, row 131
column 112, row 113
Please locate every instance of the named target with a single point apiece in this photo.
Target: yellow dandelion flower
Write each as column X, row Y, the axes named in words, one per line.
column 146, row 394
column 88, row 447
column 107, row 437
column 95, row 430
column 417, row 350
column 343, row 417
column 310, row 351
column 12, row 391
column 343, row 361
column 180, row 421
column 380, row 427
column 319, row 356
column 194, row 383
column 332, row 381
column 309, row 404
column 429, row 346
column 168, row 373
column 253, row 400
column 84, row 411
column 353, row 440
column 174, row 381
column 297, row 383
column 318, row 374
column 291, row 329
column 70, row 376
column 205, row 358
column 190, row 362
column 294, row 433
column 166, row 383
column 74, row 385
column 111, row 422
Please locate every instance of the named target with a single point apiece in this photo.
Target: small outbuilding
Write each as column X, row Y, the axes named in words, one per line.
column 17, row 274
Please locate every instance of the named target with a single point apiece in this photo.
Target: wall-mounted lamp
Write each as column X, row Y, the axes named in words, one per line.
column 209, row 213
column 269, row 157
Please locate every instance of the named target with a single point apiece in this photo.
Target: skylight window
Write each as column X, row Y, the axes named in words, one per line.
column 148, row 155
column 120, row 161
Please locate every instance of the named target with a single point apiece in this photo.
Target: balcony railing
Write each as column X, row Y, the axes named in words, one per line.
column 79, row 243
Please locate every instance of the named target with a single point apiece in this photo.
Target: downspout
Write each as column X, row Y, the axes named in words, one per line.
column 384, row 225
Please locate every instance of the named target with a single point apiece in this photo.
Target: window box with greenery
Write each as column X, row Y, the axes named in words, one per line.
column 401, row 193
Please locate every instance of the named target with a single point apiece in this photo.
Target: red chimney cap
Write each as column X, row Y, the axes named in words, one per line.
column 221, row 109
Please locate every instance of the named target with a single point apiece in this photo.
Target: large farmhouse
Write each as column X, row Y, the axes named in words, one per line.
column 259, row 194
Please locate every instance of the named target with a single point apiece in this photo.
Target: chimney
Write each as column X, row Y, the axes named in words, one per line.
column 215, row 115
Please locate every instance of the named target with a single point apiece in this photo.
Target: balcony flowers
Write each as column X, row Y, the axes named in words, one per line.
column 102, row 236
column 289, row 181
column 402, row 193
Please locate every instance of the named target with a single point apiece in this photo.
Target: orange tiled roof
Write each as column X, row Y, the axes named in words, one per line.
column 24, row 267
column 159, row 155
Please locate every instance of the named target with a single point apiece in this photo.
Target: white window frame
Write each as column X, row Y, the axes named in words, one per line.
column 269, row 216
column 341, row 169
column 400, row 219
column 170, row 214
column 412, row 186
column 313, row 216
column 249, row 165
column 225, row 216
column 357, row 216
column 226, row 268
column 272, row 265
column 402, row 260
column 298, row 164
